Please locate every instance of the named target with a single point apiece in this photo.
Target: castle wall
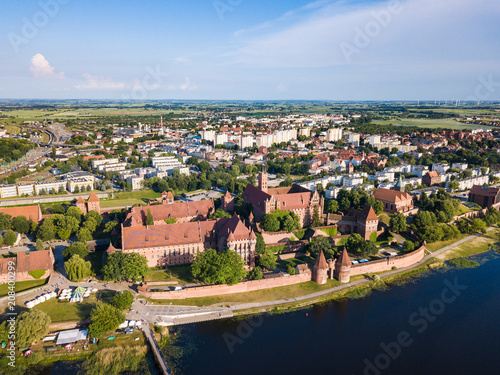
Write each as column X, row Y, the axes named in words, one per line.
column 400, row 261
column 242, row 287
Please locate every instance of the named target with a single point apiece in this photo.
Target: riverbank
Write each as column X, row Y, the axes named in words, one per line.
column 361, row 287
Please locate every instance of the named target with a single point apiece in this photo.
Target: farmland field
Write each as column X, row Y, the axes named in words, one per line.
column 430, row 123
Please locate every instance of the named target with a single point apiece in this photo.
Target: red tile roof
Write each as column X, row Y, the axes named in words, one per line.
column 392, row 196
column 34, row 260
column 321, row 263
column 93, row 198
column 175, row 210
column 30, row 212
column 344, row 260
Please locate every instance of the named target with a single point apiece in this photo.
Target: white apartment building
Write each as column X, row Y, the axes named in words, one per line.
column 440, row 168
column 468, row 183
column 460, row 166
column 333, row 135
column 354, row 139
column 220, row 139
column 96, row 162
column 165, row 162
column 135, row 182
column 246, row 141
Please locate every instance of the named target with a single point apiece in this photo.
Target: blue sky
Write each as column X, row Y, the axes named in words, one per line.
column 251, row 49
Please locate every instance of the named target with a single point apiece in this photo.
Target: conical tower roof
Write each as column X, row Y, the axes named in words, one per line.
column 321, row 263
column 344, row 260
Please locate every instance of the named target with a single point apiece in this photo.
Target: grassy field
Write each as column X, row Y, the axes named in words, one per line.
column 130, row 198
column 474, row 246
column 181, row 273
column 272, row 294
column 430, row 123
column 22, row 286
column 67, row 312
column 440, row 244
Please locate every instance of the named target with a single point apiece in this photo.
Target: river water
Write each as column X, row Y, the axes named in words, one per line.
column 442, row 322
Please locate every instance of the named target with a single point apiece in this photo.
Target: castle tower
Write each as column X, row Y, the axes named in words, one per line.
column 367, row 222
column 343, row 267
column 93, row 203
column 320, row 269
column 227, row 202
column 80, row 203
column 350, row 168
column 263, row 181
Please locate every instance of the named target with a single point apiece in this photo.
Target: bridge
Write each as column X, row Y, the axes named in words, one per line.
column 156, row 350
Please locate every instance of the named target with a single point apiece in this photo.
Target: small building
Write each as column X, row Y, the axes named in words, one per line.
column 431, row 178
column 484, row 196
column 394, row 200
column 71, row 336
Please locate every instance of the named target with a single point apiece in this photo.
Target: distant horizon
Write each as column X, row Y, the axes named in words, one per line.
column 253, row 50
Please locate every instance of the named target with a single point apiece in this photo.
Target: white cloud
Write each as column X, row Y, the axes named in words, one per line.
column 426, row 31
column 187, row 85
column 182, row 60
column 41, row 68
column 100, row 83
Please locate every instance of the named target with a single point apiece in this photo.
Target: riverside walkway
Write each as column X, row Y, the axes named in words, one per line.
column 245, row 306
column 156, row 350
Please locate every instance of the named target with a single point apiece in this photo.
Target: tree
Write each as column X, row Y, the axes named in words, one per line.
column 134, row 267
column 76, row 190
column 431, row 234
column 368, row 248
column 120, row 266
column 220, row 213
column 332, row 206
column 149, row 218
column 76, row 248
column 122, row 300
column 321, row 243
column 20, row 224
column 31, row 326
column 398, row 223
column 378, row 207
column 39, row 245
column 316, row 221
column 10, row 237
column 76, row 213
column 110, row 225
column 211, row 267
column 46, row 231
column 478, row 225
column 290, row 269
column 492, row 216
column 424, row 219
column 288, row 224
column 5, row 221
column 453, row 186
column 408, row 246
column 255, row 274
column 77, row 268
column 104, row 318
column 84, row 235
column 270, row 223
column 354, row 243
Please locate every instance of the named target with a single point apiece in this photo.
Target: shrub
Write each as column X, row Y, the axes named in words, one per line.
column 290, row 269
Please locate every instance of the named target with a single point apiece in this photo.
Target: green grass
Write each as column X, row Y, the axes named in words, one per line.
column 22, row 286
column 294, row 261
column 429, row 123
column 272, row 294
column 440, row 244
column 332, row 232
column 299, row 234
column 181, row 273
column 463, row 263
column 130, row 198
column 37, row 274
column 276, row 249
column 471, row 247
column 66, row 311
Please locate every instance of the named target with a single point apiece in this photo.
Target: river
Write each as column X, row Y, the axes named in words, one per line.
column 442, row 322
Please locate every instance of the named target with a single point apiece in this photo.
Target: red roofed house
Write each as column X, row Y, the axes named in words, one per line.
column 296, row 199
column 394, row 200
column 30, row 212
column 26, row 262
column 431, row 178
column 363, row 222
column 484, row 196
column 179, row 243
